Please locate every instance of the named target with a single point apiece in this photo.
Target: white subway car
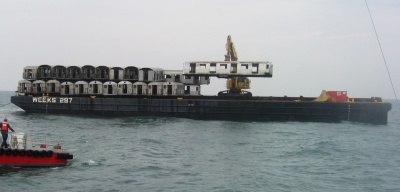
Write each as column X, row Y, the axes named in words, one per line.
column 73, row 73
column 95, row 88
column 155, row 88
column 192, row 90
column 39, row 86
column 110, row 88
column 229, row 68
column 59, row 72
column 125, row 88
column 30, row 73
column 24, row 86
column 131, row 73
column 88, row 72
column 103, row 80
column 102, row 73
column 173, row 88
column 140, row 88
column 43, row 72
column 67, row 88
column 53, row 86
column 151, row 75
column 116, row 74
column 81, row 87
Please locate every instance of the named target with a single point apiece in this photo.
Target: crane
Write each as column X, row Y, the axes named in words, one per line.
column 234, row 84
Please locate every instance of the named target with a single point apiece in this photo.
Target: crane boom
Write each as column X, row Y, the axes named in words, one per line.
column 234, row 84
column 231, row 54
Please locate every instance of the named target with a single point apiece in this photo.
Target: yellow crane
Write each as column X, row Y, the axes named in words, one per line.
column 234, row 84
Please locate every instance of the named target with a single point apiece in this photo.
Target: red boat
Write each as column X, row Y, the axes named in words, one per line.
column 23, row 153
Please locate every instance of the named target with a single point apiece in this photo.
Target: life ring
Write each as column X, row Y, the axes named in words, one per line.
column 43, row 153
column 29, row 153
column 35, row 153
column 1, row 151
column 8, row 152
column 22, row 152
column 15, row 152
column 49, row 153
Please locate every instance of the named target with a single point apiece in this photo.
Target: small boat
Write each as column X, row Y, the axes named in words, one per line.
column 22, row 152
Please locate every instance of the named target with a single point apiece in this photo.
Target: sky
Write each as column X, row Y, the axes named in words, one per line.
column 314, row 45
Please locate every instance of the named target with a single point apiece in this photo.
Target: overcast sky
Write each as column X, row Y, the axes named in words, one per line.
column 313, row 44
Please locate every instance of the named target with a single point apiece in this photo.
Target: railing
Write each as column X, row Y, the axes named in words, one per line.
column 19, row 140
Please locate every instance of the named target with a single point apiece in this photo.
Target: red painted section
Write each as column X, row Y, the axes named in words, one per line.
column 19, row 160
column 337, row 96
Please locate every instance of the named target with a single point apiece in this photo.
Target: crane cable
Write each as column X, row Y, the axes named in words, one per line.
column 383, row 56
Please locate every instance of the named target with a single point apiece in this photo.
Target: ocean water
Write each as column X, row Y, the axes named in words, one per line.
column 178, row 154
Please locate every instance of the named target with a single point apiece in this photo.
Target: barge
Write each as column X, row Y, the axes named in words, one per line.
column 133, row 91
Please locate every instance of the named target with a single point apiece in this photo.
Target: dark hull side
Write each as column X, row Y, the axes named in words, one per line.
column 212, row 108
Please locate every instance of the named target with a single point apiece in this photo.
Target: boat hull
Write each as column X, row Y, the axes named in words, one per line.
column 32, row 158
column 209, row 107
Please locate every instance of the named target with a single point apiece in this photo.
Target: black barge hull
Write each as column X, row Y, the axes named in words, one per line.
column 212, row 108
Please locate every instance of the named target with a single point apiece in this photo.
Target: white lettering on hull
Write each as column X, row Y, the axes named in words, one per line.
column 51, row 100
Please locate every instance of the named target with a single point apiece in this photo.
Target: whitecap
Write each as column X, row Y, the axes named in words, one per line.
column 90, row 162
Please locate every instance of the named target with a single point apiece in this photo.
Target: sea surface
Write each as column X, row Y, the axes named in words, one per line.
column 178, row 154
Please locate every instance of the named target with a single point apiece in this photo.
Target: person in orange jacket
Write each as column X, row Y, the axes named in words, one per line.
column 4, row 132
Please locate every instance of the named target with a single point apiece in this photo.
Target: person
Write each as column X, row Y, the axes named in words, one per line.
column 4, row 132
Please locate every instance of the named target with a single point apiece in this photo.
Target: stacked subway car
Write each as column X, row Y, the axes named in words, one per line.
column 107, row 81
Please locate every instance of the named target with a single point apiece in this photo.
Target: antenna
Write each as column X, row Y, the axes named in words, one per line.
column 383, row 56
